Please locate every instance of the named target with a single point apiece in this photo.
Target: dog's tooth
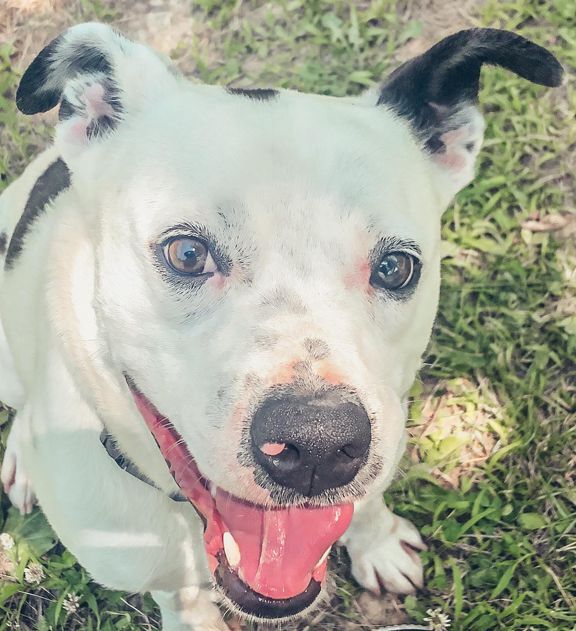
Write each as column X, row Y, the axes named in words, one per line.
column 323, row 557
column 231, row 549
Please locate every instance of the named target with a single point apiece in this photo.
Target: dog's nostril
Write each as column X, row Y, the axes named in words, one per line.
column 288, row 460
column 353, row 451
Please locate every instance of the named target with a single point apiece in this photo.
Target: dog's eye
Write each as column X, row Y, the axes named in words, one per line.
column 190, row 256
column 395, row 271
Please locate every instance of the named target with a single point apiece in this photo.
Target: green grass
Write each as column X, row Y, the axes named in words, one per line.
column 490, row 477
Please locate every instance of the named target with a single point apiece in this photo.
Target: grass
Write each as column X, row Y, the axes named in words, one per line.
column 489, row 478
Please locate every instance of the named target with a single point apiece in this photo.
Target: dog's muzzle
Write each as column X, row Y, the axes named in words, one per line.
column 269, row 562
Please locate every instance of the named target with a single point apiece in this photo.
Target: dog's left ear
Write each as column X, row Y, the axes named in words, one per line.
column 437, row 93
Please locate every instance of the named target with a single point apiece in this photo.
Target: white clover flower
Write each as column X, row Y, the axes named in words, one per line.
column 71, row 603
column 7, row 566
column 6, row 541
column 437, row 620
column 34, row 573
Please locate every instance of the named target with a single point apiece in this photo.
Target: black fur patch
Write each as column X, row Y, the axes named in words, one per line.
column 48, row 186
column 256, row 94
column 3, row 242
column 429, row 89
column 32, row 97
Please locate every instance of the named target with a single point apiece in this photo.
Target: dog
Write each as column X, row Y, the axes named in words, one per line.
column 214, row 302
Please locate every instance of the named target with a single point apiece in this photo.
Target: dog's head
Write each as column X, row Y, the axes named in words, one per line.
column 260, row 271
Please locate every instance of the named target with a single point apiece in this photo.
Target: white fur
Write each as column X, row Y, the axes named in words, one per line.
column 308, row 184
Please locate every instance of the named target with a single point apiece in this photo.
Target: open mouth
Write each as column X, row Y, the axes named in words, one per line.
column 269, row 562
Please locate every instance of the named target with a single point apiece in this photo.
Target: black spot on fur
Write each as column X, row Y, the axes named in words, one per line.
column 48, row 186
column 3, row 242
column 83, row 59
column 429, row 89
column 256, row 94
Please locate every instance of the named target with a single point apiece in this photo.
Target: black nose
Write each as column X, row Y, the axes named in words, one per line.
column 311, row 444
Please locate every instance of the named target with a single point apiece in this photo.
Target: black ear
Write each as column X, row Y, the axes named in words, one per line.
column 45, row 78
column 428, row 88
column 96, row 75
column 437, row 93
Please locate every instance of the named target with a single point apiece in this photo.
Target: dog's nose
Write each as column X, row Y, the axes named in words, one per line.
column 311, row 444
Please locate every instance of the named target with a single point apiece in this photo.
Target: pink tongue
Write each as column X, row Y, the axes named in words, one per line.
column 280, row 548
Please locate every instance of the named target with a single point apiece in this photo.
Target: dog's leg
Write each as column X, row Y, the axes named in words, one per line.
column 11, row 388
column 189, row 609
column 13, row 474
column 382, row 547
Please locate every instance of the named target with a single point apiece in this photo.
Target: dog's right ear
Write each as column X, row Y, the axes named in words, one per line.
column 97, row 76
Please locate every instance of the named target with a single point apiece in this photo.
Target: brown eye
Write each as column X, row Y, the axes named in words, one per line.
column 188, row 255
column 395, row 271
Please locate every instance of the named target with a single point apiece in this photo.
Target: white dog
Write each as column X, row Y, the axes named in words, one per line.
column 214, row 303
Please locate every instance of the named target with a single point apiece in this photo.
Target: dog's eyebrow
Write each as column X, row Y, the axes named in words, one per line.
column 389, row 244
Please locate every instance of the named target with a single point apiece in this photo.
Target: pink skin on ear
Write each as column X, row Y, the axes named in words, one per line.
column 456, row 154
column 95, row 107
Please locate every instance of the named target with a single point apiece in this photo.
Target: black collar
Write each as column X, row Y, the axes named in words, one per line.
column 109, row 443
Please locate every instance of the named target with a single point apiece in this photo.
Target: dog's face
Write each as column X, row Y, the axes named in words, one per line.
column 269, row 251
column 266, row 275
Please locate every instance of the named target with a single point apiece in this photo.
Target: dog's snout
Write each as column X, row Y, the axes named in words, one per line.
column 311, row 444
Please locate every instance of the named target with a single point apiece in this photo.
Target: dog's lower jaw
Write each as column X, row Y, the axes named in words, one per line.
column 231, row 607
column 195, row 609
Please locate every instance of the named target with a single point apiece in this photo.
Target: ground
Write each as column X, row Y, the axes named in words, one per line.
column 489, row 477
